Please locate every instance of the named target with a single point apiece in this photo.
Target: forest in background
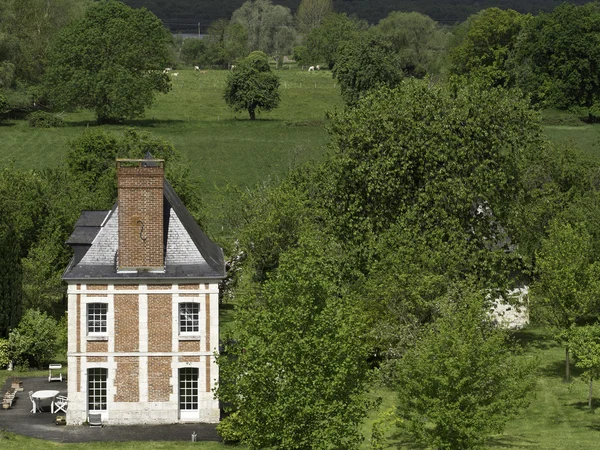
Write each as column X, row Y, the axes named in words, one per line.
column 188, row 16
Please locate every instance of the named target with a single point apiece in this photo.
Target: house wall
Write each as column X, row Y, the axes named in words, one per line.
column 142, row 351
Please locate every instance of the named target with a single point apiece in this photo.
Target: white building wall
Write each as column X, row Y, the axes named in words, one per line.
column 142, row 412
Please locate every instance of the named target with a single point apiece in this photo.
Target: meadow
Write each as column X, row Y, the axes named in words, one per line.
column 224, row 147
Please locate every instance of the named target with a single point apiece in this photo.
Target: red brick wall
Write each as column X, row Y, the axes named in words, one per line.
column 126, row 323
column 127, row 379
column 159, row 287
column 140, row 215
column 97, row 347
column 159, row 372
column 189, row 346
column 160, row 323
column 189, row 286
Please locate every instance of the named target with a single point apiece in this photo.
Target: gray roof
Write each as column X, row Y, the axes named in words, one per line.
column 189, row 253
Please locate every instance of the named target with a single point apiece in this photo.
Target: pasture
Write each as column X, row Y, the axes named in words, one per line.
column 222, row 146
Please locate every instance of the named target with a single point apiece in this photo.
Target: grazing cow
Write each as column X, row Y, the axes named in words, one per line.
column 167, row 70
column 174, row 74
column 203, row 72
column 232, row 66
column 311, row 69
column 197, row 69
column 318, row 67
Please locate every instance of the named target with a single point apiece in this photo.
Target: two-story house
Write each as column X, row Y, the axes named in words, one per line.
column 143, row 303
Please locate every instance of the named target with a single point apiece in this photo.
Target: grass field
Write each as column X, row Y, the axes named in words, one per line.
column 222, row 146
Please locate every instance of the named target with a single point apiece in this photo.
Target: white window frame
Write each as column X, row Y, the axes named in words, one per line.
column 187, row 304
column 102, row 387
column 88, row 320
column 189, row 393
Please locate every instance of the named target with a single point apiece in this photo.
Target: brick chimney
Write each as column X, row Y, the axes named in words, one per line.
column 140, row 202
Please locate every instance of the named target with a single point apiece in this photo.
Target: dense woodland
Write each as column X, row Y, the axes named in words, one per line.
column 187, row 15
column 373, row 267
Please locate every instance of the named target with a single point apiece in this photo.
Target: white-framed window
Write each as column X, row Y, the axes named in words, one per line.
column 96, row 318
column 189, row 318
column 188, row 389
column 97, row 381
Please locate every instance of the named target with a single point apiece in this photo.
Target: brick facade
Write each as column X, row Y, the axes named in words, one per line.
column 159, row 323
column 140, row 202
column 126, row 323
column 159, row 387
column 127, row 387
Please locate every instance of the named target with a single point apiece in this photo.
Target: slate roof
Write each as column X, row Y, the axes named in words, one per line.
column 189, row 253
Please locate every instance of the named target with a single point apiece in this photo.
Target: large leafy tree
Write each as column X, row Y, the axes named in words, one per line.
column 442, row 157
column 322, row 42
column 262, row 21
column 485, row 45
column 252, row 86
column 310, row 13
column 566, row 289
column 365, row 63
column 585, row 343
column 111, row 61
column 296, row 375
column 461, row 381
column 418, row 40
column 557, row 59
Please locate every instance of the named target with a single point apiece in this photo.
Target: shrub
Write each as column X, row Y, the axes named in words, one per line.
column 4, row 353
column 34, row 341
column 42, row 119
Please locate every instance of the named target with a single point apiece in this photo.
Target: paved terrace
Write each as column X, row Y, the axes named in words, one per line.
column 20, row 420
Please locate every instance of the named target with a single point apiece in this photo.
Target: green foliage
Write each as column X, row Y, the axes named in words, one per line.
column 310, row 13
column 252, row 86
column 3, row 105
column 34, row 340
column 91, row 160
column 193, row 51
column 286, row 394
column 487, row 44
column 43, row 119
column 585, row 343
column 419, row 42
column 226, row 42
column 462, row 381
column 556, row 59
column 443, row 157
column 365, row 63
column 263, row 22
column 4, row 353
column 111, row 61
column 323, row 42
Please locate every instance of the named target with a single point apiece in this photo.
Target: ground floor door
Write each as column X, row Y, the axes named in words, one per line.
column 188, row 393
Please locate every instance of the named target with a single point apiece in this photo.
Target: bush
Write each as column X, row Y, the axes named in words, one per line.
column 42, row 119
column 34, row 341
column 4, row 353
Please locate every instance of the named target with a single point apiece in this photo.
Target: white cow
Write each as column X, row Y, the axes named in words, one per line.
column 311, row 69
column 197, row 69
column 233, row 66
column 318, row 67
column 167, row 70
column 174, row 74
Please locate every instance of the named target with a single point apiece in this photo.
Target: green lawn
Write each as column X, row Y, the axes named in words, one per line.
column 222, row 146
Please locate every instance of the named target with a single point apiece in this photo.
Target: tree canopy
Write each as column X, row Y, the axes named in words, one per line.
column 111, row 61
column 557, row 59
column 252, row 86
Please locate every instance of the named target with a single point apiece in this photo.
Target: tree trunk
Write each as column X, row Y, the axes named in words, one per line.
column 252, row 113
column 590, row 395
column 567, row 367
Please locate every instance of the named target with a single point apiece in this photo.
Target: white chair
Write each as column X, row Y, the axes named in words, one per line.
column 53, row 376
column 60, row 404
column 35, row 405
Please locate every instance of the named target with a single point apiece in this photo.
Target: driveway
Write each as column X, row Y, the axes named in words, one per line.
column 20, row 420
